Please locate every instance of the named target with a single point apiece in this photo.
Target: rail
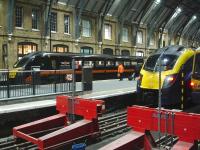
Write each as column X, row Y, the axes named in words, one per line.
column 15, row 84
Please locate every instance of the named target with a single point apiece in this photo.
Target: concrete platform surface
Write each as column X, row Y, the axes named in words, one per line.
column 101, row 89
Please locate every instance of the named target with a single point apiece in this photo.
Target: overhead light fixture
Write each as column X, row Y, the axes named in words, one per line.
column 194, row 17
column 158, row 1
column 179, row 10
column 109, row 15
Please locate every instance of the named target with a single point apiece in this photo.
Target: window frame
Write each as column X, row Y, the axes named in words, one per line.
column 108, row 35
column 36, row 20
column 140, row 37
column 85, row 48
column 57, row 46
column 19, row 16
column 34, row 47
column 125, row 34
column 88, row 29
column 66, row 25
column 53, row 22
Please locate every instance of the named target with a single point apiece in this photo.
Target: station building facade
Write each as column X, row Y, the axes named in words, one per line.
column 23, row 30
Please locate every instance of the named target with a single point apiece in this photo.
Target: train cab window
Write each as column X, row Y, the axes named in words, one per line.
column 34, row 61
column 196, row 73
column 168, row 62
column 21, row 63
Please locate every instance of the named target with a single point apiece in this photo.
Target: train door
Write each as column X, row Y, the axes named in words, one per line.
column 195, row 80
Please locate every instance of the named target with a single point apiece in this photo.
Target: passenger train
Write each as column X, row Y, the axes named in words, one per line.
column 53, row 65
column 180, row 76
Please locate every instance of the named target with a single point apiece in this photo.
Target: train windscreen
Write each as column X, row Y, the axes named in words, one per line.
column 167, row 63
column 21, row 62
column 196, row 72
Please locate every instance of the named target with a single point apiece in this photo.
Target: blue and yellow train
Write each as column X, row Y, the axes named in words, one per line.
column 180, row 76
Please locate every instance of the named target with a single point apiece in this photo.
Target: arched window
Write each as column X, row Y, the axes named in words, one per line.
column 108, row 51
column 60, row 48
column 125, row 52
column 86, row 50
column 24, row 48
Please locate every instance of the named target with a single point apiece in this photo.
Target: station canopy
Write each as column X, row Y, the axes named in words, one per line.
column 178, row 17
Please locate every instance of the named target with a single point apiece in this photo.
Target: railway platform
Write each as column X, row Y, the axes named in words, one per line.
column 101, row 89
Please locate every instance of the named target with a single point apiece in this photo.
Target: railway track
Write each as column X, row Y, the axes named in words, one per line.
column 110, row 125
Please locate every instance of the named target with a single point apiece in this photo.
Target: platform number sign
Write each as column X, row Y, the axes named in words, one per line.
column 68, row 77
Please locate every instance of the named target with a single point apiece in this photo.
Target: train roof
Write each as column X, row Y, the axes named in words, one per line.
column 172, row 49
column 85, row 56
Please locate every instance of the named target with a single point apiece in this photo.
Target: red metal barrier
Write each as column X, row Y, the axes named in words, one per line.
column 143, row 120
column 185, row 125
column 87, row 128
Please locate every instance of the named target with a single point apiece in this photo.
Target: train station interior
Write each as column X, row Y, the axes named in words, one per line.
column 99, row 74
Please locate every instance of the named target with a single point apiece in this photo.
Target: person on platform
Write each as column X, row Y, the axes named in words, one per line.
column 120, row 71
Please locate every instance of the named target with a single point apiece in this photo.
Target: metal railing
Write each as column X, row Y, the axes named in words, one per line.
column 15, row 84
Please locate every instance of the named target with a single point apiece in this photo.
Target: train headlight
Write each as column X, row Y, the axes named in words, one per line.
column 192, row 84
column 169, row 80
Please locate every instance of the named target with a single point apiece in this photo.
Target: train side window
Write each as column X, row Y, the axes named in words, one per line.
column 117, row 63
column 109, row 63
column 78, row 64
column 53, row 63
column 64, row 65
column 133, row 63
column 127, row 63
column 99, row 63
column 88, row 63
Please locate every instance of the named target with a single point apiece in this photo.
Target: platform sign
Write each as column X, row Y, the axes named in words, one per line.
column 69, row 77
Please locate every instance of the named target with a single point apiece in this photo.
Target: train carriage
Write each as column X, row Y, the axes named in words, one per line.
column 53, row 66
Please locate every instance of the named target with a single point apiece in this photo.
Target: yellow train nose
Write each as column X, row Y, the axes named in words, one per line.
column 12, row 73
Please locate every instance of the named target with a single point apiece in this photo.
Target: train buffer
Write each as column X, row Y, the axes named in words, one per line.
column 55, row 131
column 184, row 127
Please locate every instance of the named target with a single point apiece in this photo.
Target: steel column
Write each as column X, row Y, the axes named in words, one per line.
column 135, row 27
column 11, row 4
column 102, row 13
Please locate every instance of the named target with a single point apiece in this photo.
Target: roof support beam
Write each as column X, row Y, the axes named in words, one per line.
column 103, row 11
column 135, row 26
column 129, row 4
column 94, row 5
column 175, row 29
column 48, row 17
column 182, row 29
column 153, row 24
column 77, row 17
column 195, row 35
